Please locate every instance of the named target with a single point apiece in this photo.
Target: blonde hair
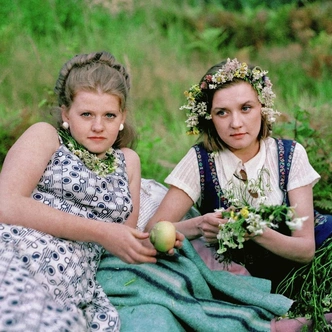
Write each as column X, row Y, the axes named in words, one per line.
column 97, row 71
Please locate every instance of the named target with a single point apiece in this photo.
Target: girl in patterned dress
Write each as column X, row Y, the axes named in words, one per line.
column 65, row 196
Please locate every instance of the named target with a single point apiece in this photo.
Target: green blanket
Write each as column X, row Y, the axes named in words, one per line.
column 180, row 293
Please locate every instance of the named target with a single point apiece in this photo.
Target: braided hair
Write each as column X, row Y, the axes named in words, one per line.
column 97, row 71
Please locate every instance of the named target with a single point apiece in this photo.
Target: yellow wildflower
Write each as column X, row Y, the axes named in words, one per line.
column 244, row 212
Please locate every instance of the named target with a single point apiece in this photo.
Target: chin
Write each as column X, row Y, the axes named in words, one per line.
column 238, row 146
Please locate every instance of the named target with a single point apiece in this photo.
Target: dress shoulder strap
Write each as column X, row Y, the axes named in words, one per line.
column 201, row 155
column 285, row 156
column 211, row 193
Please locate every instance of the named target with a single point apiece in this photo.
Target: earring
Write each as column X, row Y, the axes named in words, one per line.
column 65, row 125
column 121, row 126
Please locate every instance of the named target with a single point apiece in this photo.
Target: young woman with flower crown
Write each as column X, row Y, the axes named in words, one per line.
column 65, row 194
column 256, row 203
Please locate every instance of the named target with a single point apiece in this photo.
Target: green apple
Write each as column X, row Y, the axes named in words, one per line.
column 163, row 235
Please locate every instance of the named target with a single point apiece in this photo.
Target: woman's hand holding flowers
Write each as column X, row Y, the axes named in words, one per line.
column 209, row 226
column 247, row 222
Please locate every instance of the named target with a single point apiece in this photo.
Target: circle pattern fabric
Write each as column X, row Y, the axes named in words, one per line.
column 53, row 279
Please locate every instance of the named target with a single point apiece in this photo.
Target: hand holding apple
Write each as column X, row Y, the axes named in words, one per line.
column 163, row 236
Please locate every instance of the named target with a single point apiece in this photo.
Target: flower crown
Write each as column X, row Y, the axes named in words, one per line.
column 196, row 108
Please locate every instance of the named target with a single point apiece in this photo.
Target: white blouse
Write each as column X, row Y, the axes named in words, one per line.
column 186, row 174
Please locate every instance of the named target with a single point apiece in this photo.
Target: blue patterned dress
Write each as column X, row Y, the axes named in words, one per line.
column 48, row 283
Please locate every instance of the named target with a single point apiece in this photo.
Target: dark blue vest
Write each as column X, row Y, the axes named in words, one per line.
column 259, row 261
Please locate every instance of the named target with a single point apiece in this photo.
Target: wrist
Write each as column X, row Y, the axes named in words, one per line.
column 98, row 232
column 199, row 222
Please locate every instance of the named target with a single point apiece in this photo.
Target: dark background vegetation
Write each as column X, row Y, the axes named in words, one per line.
column 168, row 46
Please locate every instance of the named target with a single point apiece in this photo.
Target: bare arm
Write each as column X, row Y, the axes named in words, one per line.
column 134, row 174
column 22, row 169
column 175, row 205
column 299, row 247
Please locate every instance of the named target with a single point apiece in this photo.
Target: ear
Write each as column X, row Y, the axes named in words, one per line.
column 124, row 116
column 64, row 113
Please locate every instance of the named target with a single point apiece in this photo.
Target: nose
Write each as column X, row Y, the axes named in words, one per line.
column 237, row 121
column 97, row 125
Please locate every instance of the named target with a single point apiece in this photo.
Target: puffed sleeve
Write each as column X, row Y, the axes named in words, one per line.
column 301, row 172
column 185, row 176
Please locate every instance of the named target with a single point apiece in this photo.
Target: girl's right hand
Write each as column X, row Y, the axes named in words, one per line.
column 127, row 243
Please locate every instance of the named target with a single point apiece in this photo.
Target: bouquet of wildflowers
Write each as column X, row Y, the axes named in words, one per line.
column 310, row 286
column 248, row 214
column 253, row 221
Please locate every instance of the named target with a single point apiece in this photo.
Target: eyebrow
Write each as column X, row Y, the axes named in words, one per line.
column 87, row 110
column 244, row 103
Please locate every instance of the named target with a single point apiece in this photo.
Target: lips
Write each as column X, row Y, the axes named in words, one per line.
column 96, row 138
column 239, row 135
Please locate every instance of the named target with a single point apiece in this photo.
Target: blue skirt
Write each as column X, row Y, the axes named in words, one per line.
column 323, row 228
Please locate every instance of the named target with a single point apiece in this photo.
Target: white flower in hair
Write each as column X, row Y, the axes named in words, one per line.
column 197, row 108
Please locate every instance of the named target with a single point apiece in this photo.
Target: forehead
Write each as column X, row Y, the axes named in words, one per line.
column 96, row 99
column 236, row 93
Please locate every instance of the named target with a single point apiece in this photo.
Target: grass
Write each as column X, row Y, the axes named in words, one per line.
column 167, row 48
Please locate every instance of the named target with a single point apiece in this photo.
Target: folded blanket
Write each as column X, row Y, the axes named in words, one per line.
column 180, row 293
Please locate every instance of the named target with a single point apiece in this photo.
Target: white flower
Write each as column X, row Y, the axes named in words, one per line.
column 101, row 167
column 296, row 223
column 232, row 69
column 249, row 213
column 261, row 199
column 290, row 214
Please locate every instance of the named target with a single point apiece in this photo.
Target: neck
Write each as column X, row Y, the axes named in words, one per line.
column 101, row 167
column 248, row 153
